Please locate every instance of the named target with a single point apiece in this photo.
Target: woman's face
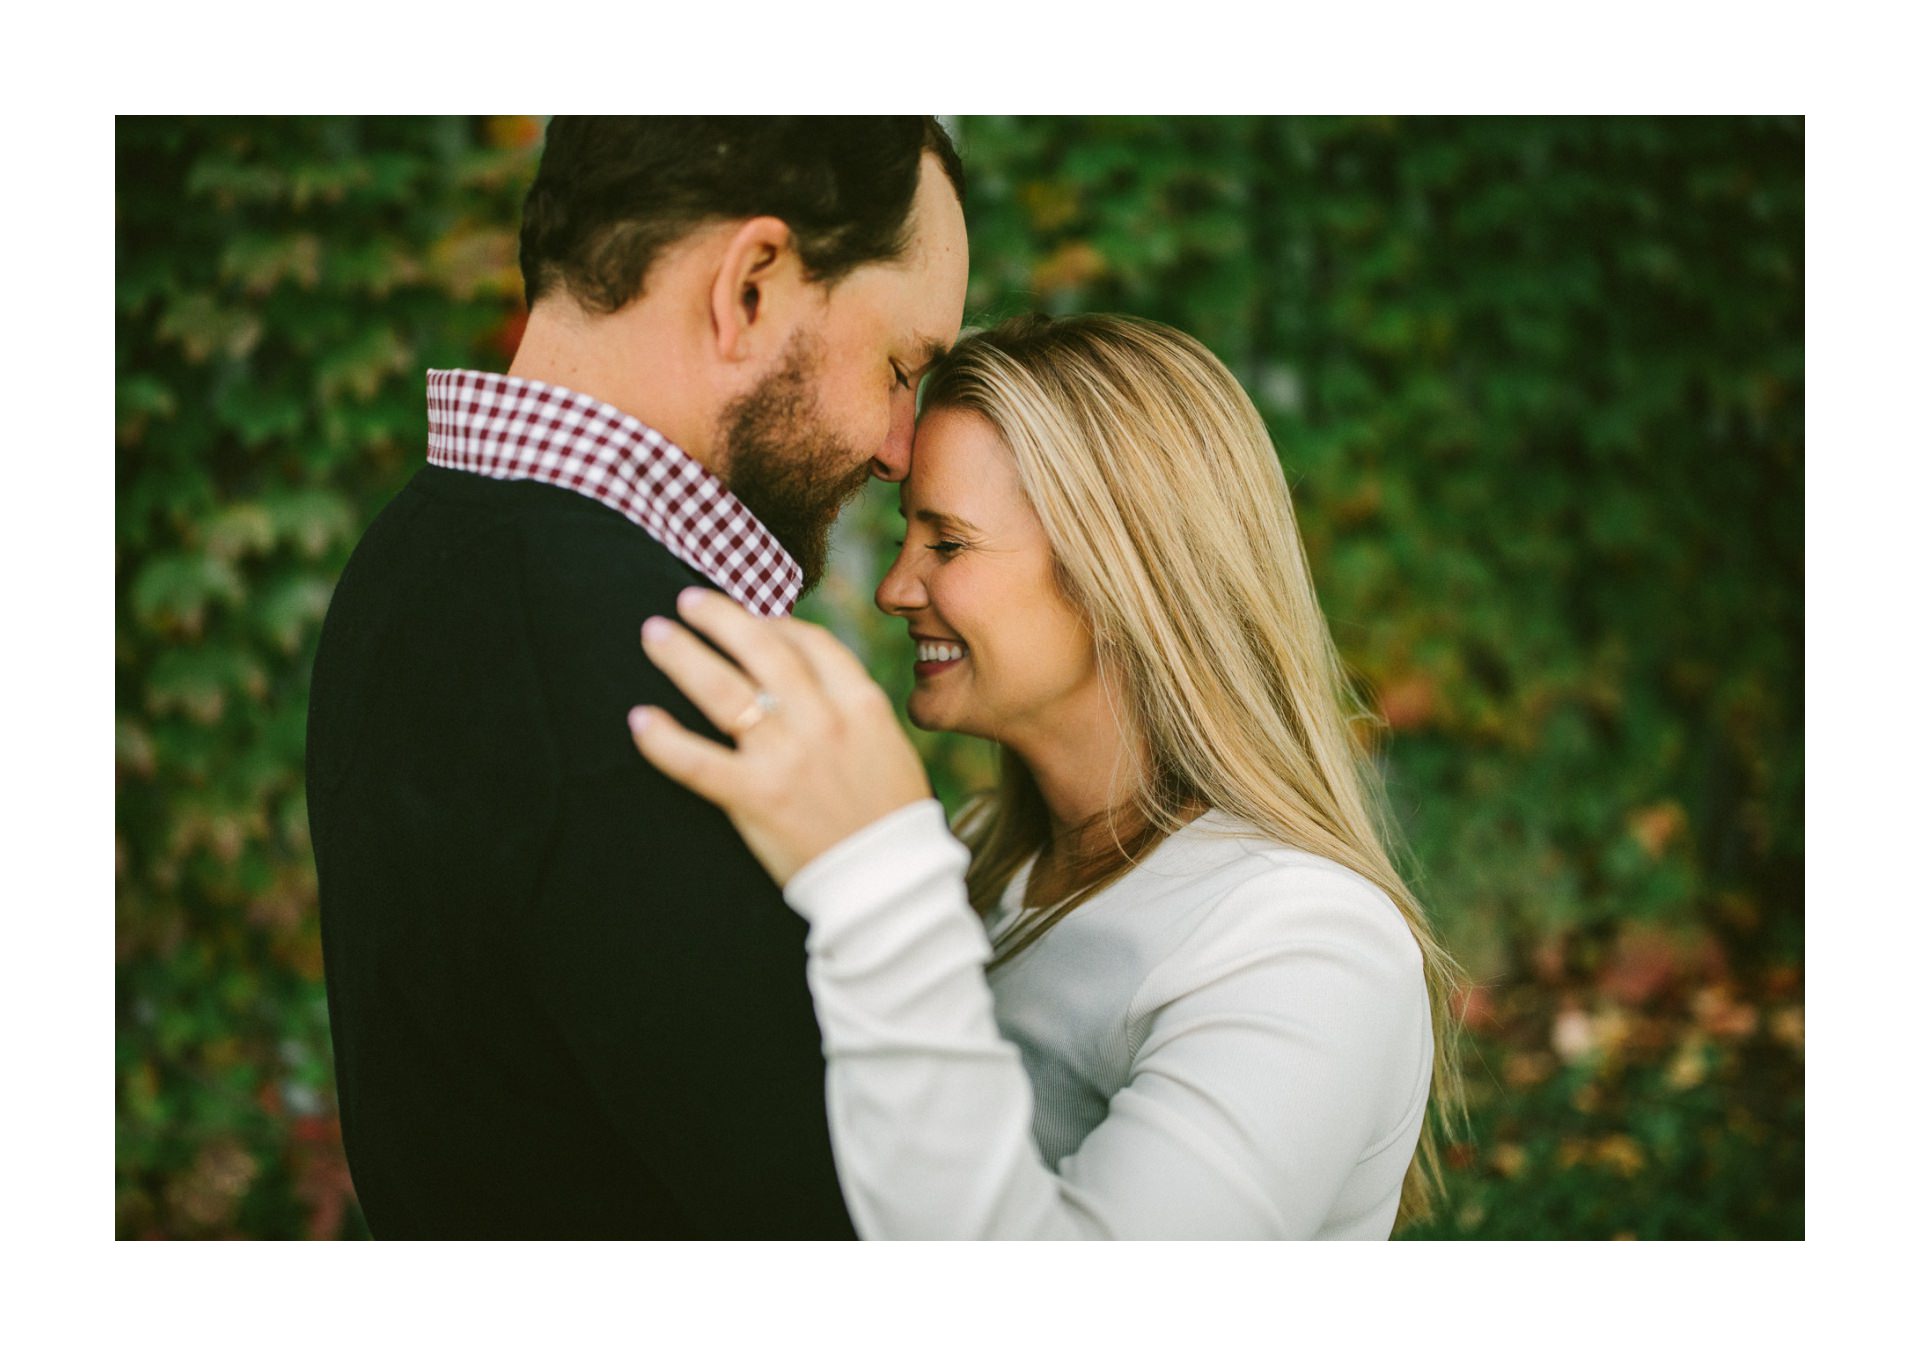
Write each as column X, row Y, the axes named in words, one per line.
column 1000, row 653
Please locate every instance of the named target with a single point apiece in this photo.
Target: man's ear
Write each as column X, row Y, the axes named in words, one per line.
column 755, row 291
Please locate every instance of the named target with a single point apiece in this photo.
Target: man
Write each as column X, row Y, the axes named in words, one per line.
column 566, row 1001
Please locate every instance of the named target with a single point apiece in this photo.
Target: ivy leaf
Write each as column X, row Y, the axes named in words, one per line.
column 198, row 681
column 313, row 519
column 173, row 592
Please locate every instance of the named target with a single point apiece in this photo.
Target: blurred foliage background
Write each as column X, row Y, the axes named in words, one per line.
column 1537, row 387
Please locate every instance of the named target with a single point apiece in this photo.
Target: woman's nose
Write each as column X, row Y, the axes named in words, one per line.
column 900, row 589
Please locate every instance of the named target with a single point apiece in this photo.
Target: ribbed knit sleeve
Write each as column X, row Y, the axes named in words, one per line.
column 1268, row 1054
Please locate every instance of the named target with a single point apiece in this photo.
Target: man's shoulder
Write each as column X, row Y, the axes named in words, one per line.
column 572, row 564
column 585, row 582
column 572, row 546
column 603, row 568
column 541, row 572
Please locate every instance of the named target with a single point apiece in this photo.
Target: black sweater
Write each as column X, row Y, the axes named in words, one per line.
column 566, row 1001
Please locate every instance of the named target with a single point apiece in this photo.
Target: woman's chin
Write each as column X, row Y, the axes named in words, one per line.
column 926, row 715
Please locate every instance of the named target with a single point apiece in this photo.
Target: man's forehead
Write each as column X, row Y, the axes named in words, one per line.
column 938, row 253
column 919, row 315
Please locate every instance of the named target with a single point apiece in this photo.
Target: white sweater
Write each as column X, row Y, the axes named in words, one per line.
column 1232, row 1041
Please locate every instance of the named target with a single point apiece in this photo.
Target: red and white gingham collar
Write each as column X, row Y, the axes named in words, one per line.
column 510, row 428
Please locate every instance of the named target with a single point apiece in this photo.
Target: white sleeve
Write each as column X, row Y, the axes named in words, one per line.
column 1271, row 1049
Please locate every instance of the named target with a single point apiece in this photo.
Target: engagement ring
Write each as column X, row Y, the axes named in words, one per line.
column 763, row 705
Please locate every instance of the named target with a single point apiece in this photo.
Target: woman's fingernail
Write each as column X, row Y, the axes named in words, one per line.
column 692, row 597
column 653, row 628
column 638, row 717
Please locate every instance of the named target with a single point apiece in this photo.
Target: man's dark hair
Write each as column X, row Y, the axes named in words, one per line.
column 611, row 193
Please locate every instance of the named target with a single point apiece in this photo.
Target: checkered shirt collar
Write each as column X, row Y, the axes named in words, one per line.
column 509, row 428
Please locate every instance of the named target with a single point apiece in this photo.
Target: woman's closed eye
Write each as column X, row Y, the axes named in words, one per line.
column 944, row 549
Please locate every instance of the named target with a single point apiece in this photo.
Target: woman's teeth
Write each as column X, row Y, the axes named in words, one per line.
column 930, row 652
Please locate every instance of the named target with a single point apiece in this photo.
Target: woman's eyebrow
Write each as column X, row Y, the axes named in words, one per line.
column 939, row 519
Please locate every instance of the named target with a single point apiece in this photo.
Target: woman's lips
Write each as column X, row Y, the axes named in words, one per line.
column 937, row 656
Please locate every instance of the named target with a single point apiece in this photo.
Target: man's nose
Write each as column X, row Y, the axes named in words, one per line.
column 896, row 454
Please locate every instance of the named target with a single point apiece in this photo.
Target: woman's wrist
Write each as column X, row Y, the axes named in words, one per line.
column 906, row 851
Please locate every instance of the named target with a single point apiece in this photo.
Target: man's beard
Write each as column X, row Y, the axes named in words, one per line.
column 791, row 471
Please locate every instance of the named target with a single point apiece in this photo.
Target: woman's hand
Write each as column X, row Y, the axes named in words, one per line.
column 818, row 754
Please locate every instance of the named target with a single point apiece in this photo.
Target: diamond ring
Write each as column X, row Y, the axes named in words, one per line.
column 763, row 705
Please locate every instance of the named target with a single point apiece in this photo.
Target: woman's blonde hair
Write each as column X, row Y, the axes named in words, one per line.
column 1173, row 534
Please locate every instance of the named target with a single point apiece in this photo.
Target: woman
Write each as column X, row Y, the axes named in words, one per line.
column 1210, row 1007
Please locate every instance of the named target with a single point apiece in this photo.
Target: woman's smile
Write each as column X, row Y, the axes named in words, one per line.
column 936, row 654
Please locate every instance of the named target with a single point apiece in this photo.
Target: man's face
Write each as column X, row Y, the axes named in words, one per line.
column 840, row 405
column 787, row 463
